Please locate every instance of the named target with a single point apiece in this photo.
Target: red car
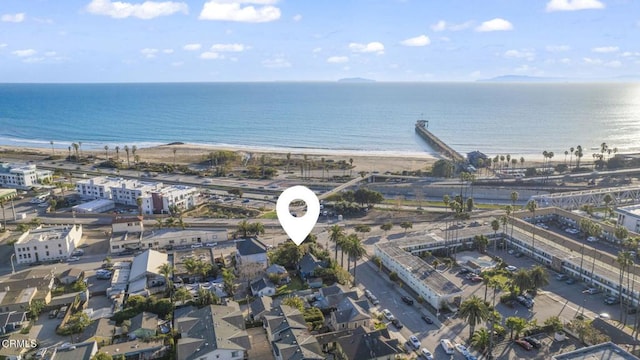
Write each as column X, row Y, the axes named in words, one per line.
column 524, row 344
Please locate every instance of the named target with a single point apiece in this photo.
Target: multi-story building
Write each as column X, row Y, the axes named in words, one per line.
column 47, row 244
column 629, row 217
column 22, row 176
column 251, row 257
column 155, row 197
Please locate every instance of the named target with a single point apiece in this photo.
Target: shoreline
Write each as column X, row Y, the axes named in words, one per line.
column 189, row 153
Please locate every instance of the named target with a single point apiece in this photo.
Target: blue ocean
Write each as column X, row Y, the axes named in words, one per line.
column 496, row 118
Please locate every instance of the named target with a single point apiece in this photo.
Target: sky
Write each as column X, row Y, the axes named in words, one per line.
column 316, row 40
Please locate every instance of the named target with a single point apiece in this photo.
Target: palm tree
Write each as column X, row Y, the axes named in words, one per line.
column 288, row 161
column 174, row 156
column 355, row 251
column 126, row 150
column 335, row 234
column 76, row 147
column 522, row 279
column 166, row 270
column 532, row 205
column 53, row 152
column 571, row 150
column 480, row 339
column 117, row 153
column 521, row 161
column 351, row 166
column 473, row 311
column 182, row 295
column 621, row 233
column 481, row 242
column 624, row 261
column 608, row 199
column 539, row 277
column 106, row 152
column 244, row 228
column 566, row 153
column 495, row 225
column 579, row 154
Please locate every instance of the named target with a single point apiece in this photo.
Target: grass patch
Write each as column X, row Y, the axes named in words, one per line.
column 294, row 285
column 269, row 215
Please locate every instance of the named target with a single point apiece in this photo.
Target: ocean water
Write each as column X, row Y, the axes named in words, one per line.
column 496, row 118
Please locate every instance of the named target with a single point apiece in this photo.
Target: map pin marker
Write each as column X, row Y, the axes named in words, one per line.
column 298, row 227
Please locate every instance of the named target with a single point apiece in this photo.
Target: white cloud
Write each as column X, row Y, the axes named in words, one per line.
column 528, row 54
column 573, row 5
column 613, row 64
column 443, row 25
column 277, row 62
column 149, row 53
column 422, row 40
column 557, row 48
column 14, row 18
column 32, row 60
column 605, row 49
column 211, row 56
column 192, row 47
column 316, row 50
column 24, row 53
column 496, row 24
column 624, row 54
column 297, row 17
column 167, row 51
column 227, row 47
column 3, row 45
column 376, row 47
column 234, row 11
column 338, row 59
column 146, row 10
column 50, row 53
column 592, row 61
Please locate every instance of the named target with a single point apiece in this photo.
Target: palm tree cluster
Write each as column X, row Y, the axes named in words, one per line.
column 250, row 229
column 504, row 161
column 349, row 245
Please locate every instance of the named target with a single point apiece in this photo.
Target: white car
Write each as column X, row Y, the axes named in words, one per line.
column 73, row 259
column 388, row 315
column 195, row 246
column 461, row 349
column 426, row 354
column 414, row 342
column 592, row 239
column 605, row 316
column 66, row 346
column 511, row 268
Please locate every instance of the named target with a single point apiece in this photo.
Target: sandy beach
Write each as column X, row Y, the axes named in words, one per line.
column 194, row 153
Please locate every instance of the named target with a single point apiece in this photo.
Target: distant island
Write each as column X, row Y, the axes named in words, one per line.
column 356, row 80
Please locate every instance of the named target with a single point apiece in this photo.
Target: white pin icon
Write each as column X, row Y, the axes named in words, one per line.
column 298, row 227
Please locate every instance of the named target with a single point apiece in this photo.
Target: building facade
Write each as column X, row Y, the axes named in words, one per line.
column 47, row 244
column 629, row 217
column 22, row 176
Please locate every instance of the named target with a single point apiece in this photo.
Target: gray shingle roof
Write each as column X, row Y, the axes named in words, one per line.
column 250, row 246
column 348, row 311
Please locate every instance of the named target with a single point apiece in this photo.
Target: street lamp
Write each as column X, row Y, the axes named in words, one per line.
column 13, row 269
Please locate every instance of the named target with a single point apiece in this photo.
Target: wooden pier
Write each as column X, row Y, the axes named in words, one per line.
column 437, row 144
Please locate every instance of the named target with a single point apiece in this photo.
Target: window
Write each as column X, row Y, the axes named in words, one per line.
column 59, row 245
column 46, row 246
column 60, row 252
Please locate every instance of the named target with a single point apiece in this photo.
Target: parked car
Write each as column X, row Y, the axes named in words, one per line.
column 414, row 342
column 592, row 239
column 66, row 346
column 476, row 279
column 426, row 354
column 511, row 268
column 533, row 341
column 427, row 319
column 612, row 300
column 524, row 344
column 591, row 291
column 397, row 323
column 447, row 346
column 388, row 315
column 571, row 281
column 374, row 300
column 461, row 349
column 407, row 300
column 53, row 314
column 368, row 294
column 464, row 271
column 605, row 316
column 561, row 277
column 73, row 259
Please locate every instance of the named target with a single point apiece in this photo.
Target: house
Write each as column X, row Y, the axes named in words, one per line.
column 145, row 272
column 287, row 332
column 126, row 234
column 259, row 307
column 83, row 351
column 263, row 287
column 329, row 297
column 360, row 344
column 213, row 332
column 47, row 244
column 100, row 331
column 476, row 158
column 251, row 257
column 143, row 326
column 308, row 265
column 279, row 272
column 12, row 321
column 17, row 293
column 315, row 282
column 21, row 345
column 70, row 276
column 136, row 349
column 349, row 315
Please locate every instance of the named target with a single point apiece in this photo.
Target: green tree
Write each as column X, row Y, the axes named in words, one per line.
column 166, row 270
column 35, row 308
column 443, row 168
column 126, row 150
column 624, row 261
column 228, row 278
column 101, row 356
column 182, row 295
column 336, row 233
column 522, row 279
column 480, row 339
column 355, row 251
column 406, row 225
column 539, row 277
column 515, row 324
column 244, row 228
column 386, row 227
column 206, row 297
column 473, row 311
column 481, row 242
column 294, row 301
column 362, row 228
column 495, row 225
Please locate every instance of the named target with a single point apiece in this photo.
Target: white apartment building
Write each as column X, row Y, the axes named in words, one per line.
column 629, row 217
column 22, row 176
column 165, row 239
column 156, row 198
column 47, row 244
